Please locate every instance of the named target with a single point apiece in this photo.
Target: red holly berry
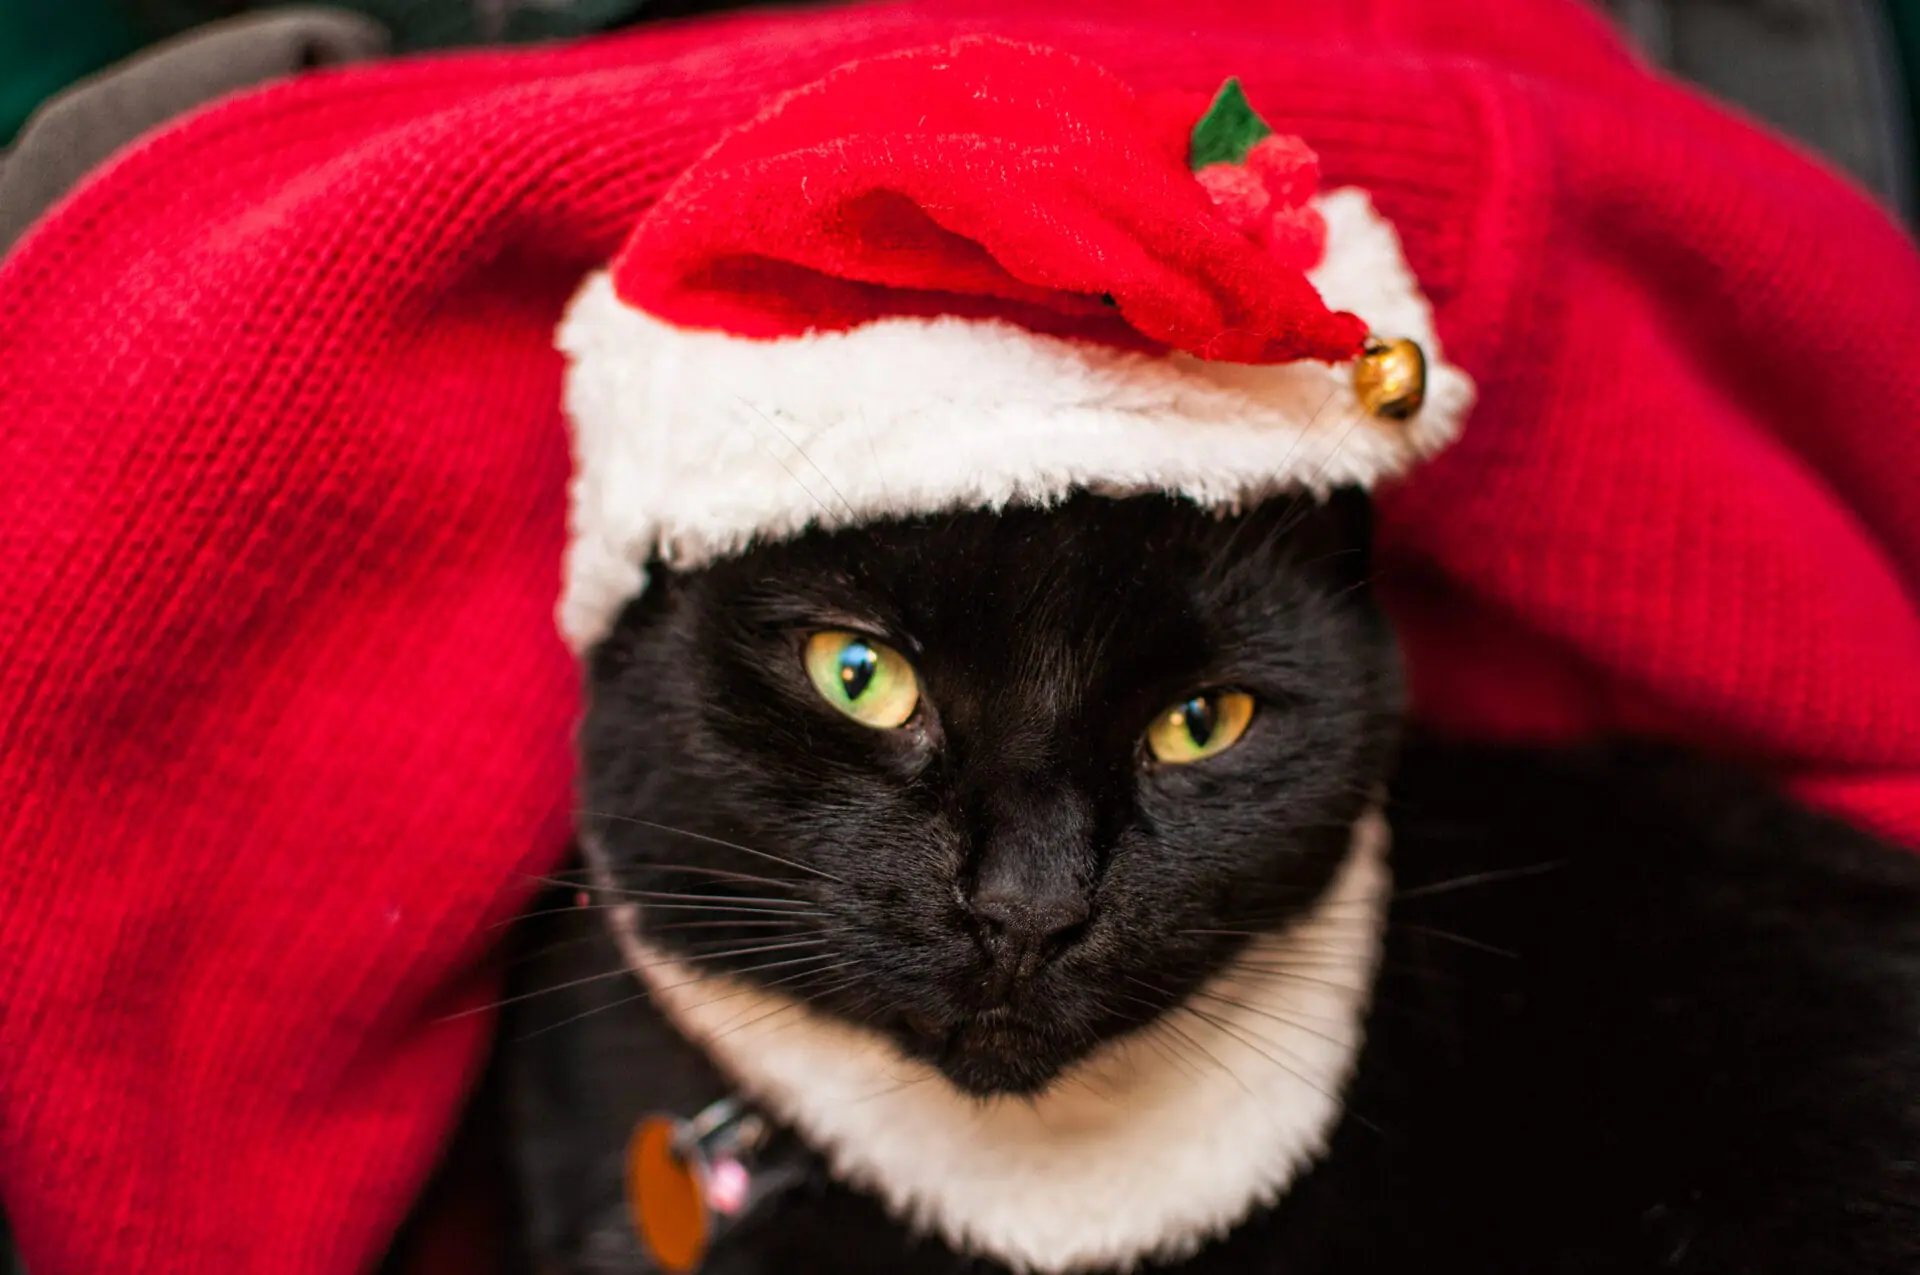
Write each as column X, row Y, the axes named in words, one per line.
column 1287, row 167
column 1238, row 194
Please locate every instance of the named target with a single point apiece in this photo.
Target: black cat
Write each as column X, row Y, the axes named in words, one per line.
column 1032, row 870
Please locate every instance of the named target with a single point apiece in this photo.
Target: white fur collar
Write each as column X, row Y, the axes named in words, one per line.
column 1129, row 1156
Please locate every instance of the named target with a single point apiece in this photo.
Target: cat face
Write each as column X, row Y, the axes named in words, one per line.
column 1000, row 786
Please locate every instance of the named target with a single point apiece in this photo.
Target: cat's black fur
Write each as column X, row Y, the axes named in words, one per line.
column 1675, row 1028
column 1046, row 642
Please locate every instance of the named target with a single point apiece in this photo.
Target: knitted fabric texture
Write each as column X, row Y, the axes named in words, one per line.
column 284, row 721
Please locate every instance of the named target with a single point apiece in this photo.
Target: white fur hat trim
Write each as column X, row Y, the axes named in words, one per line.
column 690, row 445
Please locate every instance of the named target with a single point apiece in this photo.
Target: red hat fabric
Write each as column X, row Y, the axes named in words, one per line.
column 285, row 716
column 944, row 179
column 973, row 273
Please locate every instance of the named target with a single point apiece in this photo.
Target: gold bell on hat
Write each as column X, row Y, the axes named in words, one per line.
column 1390, row 378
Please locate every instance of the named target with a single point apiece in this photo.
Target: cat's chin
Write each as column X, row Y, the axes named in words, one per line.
column 990, row 1055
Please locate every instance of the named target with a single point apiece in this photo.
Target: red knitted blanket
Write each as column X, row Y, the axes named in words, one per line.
column 283, row 715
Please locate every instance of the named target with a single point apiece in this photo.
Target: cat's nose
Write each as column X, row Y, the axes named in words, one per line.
column 1022, row 928
column 1033, row 881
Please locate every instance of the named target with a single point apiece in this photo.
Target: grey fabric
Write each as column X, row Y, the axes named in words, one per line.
column 1824, row 72
column 74, row 131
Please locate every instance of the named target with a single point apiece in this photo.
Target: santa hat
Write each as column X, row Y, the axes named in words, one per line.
column 974, row 274
column 284, row 721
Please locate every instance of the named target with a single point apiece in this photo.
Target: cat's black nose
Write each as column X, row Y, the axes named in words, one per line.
column 1021, row 929
column 1032, row 883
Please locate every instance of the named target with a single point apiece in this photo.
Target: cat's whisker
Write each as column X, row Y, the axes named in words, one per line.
column 1450, row 937
column 801, row 996
column 560, row 910
column 559, row 876
column 1248, row 1036
column 1335, row 976
column 1150, row 1034
column 526, row 996
column 813, row 996
column 670, row 896
column 1286, row 465
column 803, row 975
column 1220, row 1024
column 1332, row 922
column 1366, row 582
column 900, row 1087
column 1154, row 1036
column 1305, row 950
column 1085, row 1083
column 721, row 903
column 1331, row 953
column 1155, row 1006
column 756, row 949
column 699, row 979
column 721, row 925
column 1342, row 948
column 743, row 988
column 758, row 985
column 585, row 1013
column 1335, row 907
column 1291, row 1024
column 1339, row 445
column 1193, row 1043
column 1308, row 977
column 868, row 1010
column 721, row 873
column 1314, row 1082
column 1261, row 1045
column 783, row 1007
column 1478, row 878
column 558, row 945
column 559, row 882
column 1292, row 975
column 1168, row 1022
column 724, row 907
column 717, row 841
column 850, row 513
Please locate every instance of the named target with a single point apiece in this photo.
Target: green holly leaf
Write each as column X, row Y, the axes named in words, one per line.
column 1229, row 129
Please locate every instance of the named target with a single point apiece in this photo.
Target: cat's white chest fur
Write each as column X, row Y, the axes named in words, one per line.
column 1146, row 1149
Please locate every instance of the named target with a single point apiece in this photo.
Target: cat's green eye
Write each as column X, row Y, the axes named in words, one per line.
column 1201, row 727
column 868, row 681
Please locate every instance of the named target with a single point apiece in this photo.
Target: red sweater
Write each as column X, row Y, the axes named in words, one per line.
column 283, row 716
